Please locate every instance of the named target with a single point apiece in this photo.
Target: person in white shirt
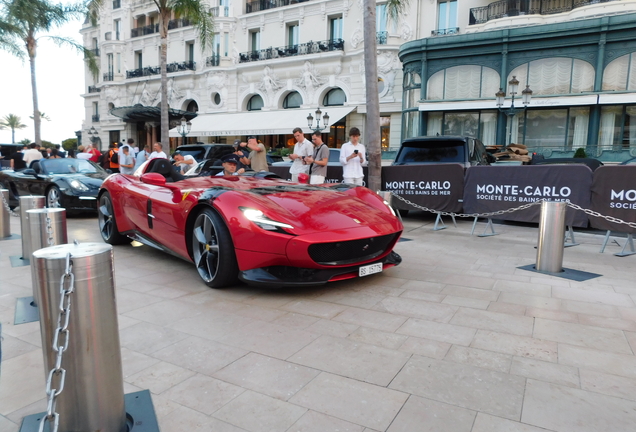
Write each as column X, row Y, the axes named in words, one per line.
column 184, row 162
column 31, row 155
column 352, row 156
column 83, row 153
column 126, row 160
column 158, row 152
column 302, row 149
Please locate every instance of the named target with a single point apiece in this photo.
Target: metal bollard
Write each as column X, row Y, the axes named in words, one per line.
column 92, row 397
column 48, row 227
column 28, row 202
column 551, row 237
column 5, row 227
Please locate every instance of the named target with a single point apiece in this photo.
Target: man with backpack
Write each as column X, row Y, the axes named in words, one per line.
column 111, row 158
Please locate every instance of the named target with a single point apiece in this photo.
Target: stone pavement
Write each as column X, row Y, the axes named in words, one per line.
column 455, row 339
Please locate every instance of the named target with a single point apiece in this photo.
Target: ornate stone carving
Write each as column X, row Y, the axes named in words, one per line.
column 357, row 36
column 309, row 79
column 406, row 32
column 389, row 65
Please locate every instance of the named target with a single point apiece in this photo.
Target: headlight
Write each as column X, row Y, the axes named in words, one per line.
column 386, row 203
column 263, row 221
column 78, row 185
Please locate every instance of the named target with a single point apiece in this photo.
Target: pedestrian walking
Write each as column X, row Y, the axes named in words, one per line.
column 352, row 156
column 302, row 149
column 318, row 162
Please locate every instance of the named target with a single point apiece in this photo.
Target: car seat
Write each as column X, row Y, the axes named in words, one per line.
column 166, row 169
column 35, row 166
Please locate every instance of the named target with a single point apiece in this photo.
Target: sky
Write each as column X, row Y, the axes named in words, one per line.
column 60, row 81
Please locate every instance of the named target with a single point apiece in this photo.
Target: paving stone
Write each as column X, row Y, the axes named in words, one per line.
column 425, row 415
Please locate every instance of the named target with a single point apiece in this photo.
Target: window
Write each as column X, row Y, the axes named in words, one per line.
column 617, row 130
column 380, row 18
column 292, row 35
column 139, row 59
column 292, row 100
column 555, row 75
column 334, row 97
column 95, row 108
column 482, row 124
column 446, row 15
column 216, row 44
column 192, row 107
column 255, row 40
column 255, row 103
column 110, row 64
column 190, row 51
column 118, row 63
column 95, row 43
column 620, row 74
column 117, row 27
column 335, row 28
column 463, row 82
column 226, row 45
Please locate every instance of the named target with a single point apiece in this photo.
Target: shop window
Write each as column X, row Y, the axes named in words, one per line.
column 410, row 124
column 334, row 97
column 556, row 75
column 255, row 103
column 463, row 82
column 620, row 74
column 482, row 124
column 292, row 100
column 617, row 130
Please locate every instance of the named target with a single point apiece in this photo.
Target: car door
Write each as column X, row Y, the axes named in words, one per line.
column 168, row 210
column 135, row 204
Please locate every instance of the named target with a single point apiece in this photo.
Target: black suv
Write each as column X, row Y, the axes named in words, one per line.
column 466, row 151
column 205, row 151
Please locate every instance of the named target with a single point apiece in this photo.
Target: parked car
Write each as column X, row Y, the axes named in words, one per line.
column 69, row 183
column 466, row 151
column 334, row 159
column 202, row 152
column 255, row 227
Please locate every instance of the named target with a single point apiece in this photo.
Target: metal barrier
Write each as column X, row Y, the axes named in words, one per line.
column 48, row 227
column 551, row 237
column 85, row 341
column 29, row 202
column 5, row 227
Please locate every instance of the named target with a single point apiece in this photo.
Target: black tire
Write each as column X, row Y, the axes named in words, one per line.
column 53, row 197
column 107, row 223
column 213, row 250
column 403, row 212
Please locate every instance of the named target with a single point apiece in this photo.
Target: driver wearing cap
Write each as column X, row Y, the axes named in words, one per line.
column 230, row 161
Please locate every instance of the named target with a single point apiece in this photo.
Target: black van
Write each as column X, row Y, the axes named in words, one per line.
column 466, row 151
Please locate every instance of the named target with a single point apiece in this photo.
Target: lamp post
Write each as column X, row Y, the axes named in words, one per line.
column 317, row 128
column 183, row 129
column 513, row 87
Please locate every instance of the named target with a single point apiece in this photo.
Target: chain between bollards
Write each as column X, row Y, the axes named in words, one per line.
column 6, row 206
column 58, row 371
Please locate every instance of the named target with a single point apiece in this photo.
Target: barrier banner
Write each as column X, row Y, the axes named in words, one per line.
column 614, row 194
column 493, row 188
column 334, row 173
column 438, row 187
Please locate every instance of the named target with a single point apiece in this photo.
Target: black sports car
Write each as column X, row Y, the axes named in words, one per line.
column 69, row 183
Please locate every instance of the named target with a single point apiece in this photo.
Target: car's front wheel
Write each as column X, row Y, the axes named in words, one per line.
column 213, row 250
column 54, row 197
column 107, row 222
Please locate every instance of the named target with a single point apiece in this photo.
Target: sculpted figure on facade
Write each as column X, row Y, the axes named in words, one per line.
column 146, row 98
column 269, row 82
column 309, row 79
column 174, row 93
column 357, row 36
column 388, row 67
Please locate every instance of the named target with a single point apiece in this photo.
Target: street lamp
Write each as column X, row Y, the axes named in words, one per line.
column 325, row 121
column 184, row 128
column 513, row 87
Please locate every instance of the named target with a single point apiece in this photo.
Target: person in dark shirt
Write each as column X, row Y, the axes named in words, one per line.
column 17, row 163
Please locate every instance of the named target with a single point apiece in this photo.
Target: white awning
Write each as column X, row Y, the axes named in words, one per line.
column 536, row 102
column 278, row 122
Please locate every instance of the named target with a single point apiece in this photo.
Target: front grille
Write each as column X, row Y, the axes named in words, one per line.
column 349, row 252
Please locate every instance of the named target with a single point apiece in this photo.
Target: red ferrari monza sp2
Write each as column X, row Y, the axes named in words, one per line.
column 256, row 228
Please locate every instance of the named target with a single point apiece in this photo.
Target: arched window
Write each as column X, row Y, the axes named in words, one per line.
column 463, row 82
column 292, row 100
column 255, row 103
column 620, row 74
column 192, row 107
column 334, row 97
column 555, row 75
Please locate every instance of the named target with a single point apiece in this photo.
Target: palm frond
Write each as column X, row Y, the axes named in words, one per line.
column 89, row 56
column 396, row 9
column 199, row 15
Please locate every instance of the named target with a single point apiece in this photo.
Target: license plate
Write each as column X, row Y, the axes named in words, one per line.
column 370, row 269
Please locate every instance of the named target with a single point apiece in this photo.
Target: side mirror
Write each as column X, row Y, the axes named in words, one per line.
column 153, row 179
column 29, row 171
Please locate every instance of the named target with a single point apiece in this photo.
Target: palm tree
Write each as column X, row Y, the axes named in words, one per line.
column 394, row 9
column 42, row 116
column 14, row 122
column 26, row 22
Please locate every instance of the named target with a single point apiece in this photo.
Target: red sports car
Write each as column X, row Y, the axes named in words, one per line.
column 259, row 229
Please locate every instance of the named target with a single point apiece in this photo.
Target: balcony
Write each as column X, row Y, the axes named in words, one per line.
column 176, row 23
column 95, row 118
column 145, row 30
column 144, row 71
column 213, row 60
column 261, row 5
column 95, row 51
column 94, row 89
column 509, row 8
column 109, row 76
column 292, row 50
column 116, row 4
column 382, row 37
column 220, row 11
column 448, row 31
column 179, row 67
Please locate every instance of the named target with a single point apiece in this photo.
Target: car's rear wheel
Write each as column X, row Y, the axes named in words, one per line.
column 107, row 222
column 213, row 250
column 54, row 197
